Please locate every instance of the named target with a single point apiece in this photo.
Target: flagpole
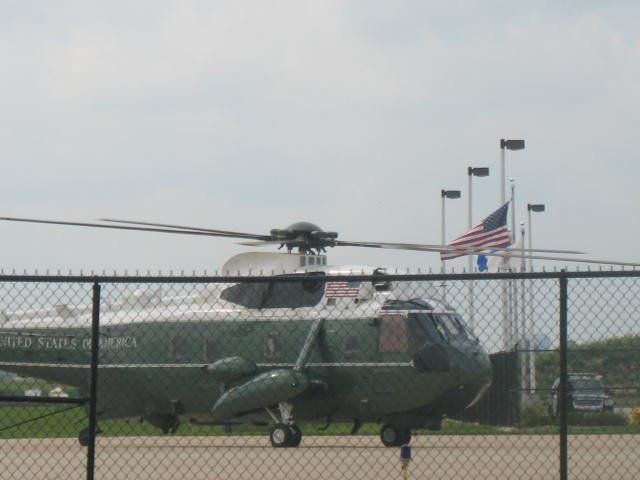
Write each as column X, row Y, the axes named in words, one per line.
column 513, row 210
column 502, row 192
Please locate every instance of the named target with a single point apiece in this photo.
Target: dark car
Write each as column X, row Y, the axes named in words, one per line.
column 585, row 393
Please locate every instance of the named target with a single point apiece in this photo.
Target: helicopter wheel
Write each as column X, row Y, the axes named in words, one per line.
column 394, row 437
column 280, row 435
column 296, row 435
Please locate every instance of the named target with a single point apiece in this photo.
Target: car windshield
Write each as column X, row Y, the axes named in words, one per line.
column 587, row 384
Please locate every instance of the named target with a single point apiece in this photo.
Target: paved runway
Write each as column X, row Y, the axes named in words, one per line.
column 355, row 458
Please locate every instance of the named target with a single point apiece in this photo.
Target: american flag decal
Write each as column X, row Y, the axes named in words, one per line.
column 342, row 289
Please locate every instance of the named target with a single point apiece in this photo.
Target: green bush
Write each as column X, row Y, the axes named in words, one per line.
column 598, row 419
column 538, row 416
column 535, row 416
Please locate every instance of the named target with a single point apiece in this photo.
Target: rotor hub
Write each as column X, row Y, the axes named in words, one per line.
column 305, row 236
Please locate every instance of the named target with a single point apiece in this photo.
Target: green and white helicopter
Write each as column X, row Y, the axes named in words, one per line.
column 264, row 352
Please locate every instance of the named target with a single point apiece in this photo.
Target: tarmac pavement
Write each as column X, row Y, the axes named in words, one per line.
column 522, row 457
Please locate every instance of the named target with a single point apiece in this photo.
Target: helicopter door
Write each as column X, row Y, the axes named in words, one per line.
column 392, row 347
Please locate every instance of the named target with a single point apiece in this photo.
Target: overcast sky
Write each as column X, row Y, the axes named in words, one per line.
column 250, row 115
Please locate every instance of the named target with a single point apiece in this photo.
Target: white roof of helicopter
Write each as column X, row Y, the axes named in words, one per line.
column 205, row 305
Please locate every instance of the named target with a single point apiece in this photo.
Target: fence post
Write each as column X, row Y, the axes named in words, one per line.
column 564, row 452
column 93, row 381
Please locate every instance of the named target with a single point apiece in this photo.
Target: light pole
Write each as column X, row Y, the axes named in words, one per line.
column 452, row 194
column 506, row 145
column 511, row 144
column 473, row 172
column 532, row 207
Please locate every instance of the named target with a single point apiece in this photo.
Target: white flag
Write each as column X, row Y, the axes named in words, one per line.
column 506, row 262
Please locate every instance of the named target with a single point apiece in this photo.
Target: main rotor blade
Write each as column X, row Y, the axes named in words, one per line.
column 116, row 227
column 226, row 233
column 266, row 243
column 564, row 259
column 421, row 247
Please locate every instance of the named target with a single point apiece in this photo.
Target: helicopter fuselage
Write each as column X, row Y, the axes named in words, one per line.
column 408, row 364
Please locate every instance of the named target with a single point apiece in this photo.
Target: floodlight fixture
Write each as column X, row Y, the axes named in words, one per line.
column 478, row 171
column 535, row 207
column 451, row 194
column 512, row 144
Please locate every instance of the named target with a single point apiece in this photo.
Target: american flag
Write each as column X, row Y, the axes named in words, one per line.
column 491, row 232
column 342, row 289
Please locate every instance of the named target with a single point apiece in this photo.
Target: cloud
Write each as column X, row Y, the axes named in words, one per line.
column 349, row 114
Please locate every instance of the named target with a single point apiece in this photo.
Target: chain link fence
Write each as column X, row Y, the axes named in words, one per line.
column 533, row 376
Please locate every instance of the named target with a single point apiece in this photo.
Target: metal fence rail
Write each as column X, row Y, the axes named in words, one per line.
column 323, row 377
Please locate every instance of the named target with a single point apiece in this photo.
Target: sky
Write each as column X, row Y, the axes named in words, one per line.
column 251, row 115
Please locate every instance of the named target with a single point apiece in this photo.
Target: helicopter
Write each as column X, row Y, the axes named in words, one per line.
column 307, row 348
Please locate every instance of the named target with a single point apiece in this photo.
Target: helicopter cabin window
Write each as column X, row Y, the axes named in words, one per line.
column 415, row 304
column 306, row 292
column 211, row 350
column 393, row 334
column 178, row 348
column 273, row 345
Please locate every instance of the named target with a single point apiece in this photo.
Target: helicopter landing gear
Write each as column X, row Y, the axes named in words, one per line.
column 285, row 433
column 392, row 436
column 169, row 424
column 283, row 436
column 83, row 436
column 296, row 435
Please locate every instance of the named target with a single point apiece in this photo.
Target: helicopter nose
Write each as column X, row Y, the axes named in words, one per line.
column 432, row 357
column 475, row 363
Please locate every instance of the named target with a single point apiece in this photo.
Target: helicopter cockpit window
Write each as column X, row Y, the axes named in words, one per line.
column 393, row 334
column 273, row 345
column 421, row 329
column 440, row 328
column 469, row 333
column 307, row 292
column 453, row 328
column 178, row 348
